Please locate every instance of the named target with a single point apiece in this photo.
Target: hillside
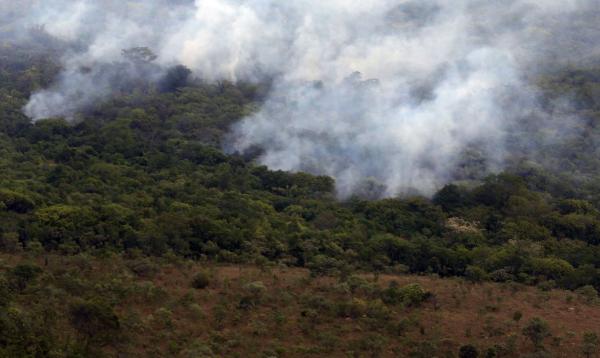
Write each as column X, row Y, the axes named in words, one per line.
column 160, row 307
column 108, row 214
column 144, row 172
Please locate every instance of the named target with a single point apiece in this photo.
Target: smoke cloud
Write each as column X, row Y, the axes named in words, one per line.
column 383, row 95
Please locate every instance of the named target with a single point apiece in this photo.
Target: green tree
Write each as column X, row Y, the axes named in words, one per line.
column 475, row 274
column 537, row 330
column 517, row 316
column 95, row 321
column 590, row 344
column 175, row 78
column 201, row 280
column 14, row 201
column 451, row 197
column 20, row 276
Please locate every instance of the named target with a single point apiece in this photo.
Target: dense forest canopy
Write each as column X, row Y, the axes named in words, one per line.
column 143, row 171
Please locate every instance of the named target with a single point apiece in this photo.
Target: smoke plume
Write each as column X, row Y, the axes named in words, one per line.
column 391, row 92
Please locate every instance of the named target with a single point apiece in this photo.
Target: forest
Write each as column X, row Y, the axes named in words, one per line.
column 139, row 182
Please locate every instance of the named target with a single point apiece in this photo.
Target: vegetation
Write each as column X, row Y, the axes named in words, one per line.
column 84, row 305
column 590, row 344
column 139, row 182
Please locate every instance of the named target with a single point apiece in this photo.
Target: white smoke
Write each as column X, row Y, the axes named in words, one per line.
column 358, row 129
column 390, row 89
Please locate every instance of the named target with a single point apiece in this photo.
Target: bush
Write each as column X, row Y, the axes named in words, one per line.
column 253, row 295
column 468, row 351
column 17, row 202
column 354, row 308
column 517, row 316
column 359, row 284
column 198, row 348
column 9, row 242
column 475, row 274
column 590, row 344
column 377, row 310
column 5, row 294
column 493, row 352
column 96, row 321
column 164, row 317
column 201, row 280
column 537, row 330
column 322, row 265
column 22, row 275
column 414, row 295
column 409, row 295
column 144, row 268
column 588, row 292
column 501, row 275
column 547, row 285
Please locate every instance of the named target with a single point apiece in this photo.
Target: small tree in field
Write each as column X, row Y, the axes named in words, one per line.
column 590, row 344
column 537, row 330
column 517, row 316
column 95, row 321
column 201, row 280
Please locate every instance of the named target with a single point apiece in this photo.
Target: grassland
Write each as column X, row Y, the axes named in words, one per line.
column 267, row 311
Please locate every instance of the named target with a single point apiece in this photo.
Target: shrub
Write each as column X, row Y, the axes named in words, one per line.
column 5, row 294
column 196, row 311
column 376, row 309
column 493, row 352
column 27, row 333
column 414, row 295
column 468, row 351
column 588, row 292
column 322, row 265
column 256, row 288
column 35, row 247
column 359, row 284
column 409, row 295
column 354, row 308
column 517, row 316
column 22, row 275
column 391, row 295
column 501, row 275
column 550, row 267
column 590, row 344
column 424, row 349
column 475, row 274
column 164, row 317
column 319, row 303
column 372, row 343
column 537, row 330
column 16, row 202
column 254, row 292
column 9, row 242
column 144, row 268
column 96, row 321
column 547, row 285
column 201, row 280
column 198, row 348
column 510, row 347
column 147, row 291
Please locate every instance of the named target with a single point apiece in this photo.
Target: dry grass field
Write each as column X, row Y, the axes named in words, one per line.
column 284, row 312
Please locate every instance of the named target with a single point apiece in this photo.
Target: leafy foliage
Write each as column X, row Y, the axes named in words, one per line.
column 143, row 173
